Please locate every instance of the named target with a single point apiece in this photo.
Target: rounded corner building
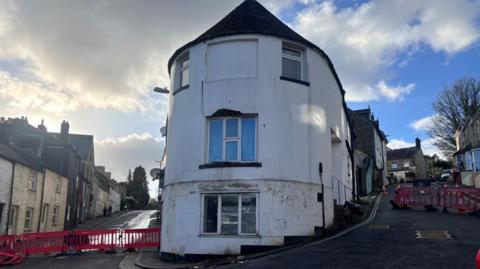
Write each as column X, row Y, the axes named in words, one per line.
column 258, row 145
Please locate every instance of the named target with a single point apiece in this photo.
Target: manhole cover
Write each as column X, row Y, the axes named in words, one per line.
column 378, row 227
column 433, row 235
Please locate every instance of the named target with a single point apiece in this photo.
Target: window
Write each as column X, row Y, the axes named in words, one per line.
column 230, row 214
column 394, row 166
column 292, row 61
column 13, row 216
column 468, row 161
column 45, row 213
column 1, row 213
column 58, row 186
column 476, row 159
column 184, row 71
column 28, row 219
column 232, row 139
column 406, row 164
column 32, row 184
column 55, row 215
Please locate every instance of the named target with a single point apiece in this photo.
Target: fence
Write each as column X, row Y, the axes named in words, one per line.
column 14, row 247
column 462, row 199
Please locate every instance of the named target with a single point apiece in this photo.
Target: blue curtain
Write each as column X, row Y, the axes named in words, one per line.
column 215, row 149
column 249, row 126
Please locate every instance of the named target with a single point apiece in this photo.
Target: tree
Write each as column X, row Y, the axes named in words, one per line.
column 137, row 187
column 453, row 106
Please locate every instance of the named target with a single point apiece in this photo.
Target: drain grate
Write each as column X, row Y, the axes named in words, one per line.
column 378, row 227
column 433, row 235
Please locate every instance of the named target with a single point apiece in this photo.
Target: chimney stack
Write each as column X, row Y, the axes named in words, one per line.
column 64, row 128
column 418, row 143
column 42, row 127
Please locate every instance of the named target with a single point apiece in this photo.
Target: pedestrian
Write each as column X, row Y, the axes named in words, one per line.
column 105, row 211
column 110, row 210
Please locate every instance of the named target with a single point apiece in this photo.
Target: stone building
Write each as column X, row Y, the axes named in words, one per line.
column 37, row 198
column 371, row 172
column 407, row 163
column 258, row 143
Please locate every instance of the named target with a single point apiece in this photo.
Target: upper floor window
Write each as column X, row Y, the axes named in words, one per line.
column 58, row 185
column 232, row 139
column 394, row 166
column 32, row 182
column 292, row 63
column 406, row 164
column 184, row 72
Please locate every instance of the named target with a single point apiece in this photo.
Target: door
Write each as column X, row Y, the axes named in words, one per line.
column 12, row 222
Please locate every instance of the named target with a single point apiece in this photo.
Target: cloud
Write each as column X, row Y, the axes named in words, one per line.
column 127, row 152
column 423, row 124
column 399, row 143
column 366, row 42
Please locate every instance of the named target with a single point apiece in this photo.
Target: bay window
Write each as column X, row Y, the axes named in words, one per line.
column 229, row 214
column 232, row 139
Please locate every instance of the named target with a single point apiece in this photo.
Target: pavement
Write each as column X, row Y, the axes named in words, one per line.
column 389, row 241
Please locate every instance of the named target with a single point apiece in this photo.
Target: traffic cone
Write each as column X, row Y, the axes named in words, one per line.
column 384, row 190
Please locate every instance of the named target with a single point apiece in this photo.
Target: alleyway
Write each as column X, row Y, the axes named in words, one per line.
column 388, row 242
column 135, row 219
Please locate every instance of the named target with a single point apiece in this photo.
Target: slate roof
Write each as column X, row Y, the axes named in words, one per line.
column 15, row 154
column 82, row 144
column 401, row 154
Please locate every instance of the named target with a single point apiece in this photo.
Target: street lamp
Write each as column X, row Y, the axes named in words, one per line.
column 161, row 90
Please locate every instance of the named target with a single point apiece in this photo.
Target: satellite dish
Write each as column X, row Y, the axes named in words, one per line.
column 155, row 172
column 163, row 131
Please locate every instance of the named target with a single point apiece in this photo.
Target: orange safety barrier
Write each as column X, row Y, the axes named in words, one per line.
column 462, row 199
column 14, row 247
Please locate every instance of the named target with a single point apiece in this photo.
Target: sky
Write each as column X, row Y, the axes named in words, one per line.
column 95, row 63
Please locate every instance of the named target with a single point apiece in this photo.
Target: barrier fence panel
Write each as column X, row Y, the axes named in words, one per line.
column 445, row 197
column 12, row 247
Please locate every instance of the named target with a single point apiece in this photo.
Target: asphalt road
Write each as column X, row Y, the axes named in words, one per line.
column 394, row 246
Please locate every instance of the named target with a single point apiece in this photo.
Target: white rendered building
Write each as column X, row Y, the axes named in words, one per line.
column 255, row 112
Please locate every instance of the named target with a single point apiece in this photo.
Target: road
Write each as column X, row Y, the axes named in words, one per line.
column 388, row 242
column 130, row 220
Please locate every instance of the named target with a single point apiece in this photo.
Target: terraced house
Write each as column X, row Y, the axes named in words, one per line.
column 37, row 195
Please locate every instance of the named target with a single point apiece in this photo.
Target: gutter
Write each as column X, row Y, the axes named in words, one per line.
column 41, row 200
column 11, row 197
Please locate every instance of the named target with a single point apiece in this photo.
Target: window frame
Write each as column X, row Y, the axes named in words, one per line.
column 302, row 60
column 30, row 219
column 219, row 213
column 55, row 212
column 58, row 185
column 183, row 58
column 237, row 139
column 33, row 180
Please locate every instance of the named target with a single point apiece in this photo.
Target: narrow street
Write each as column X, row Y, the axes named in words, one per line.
column 136, row 219
column 389, row 241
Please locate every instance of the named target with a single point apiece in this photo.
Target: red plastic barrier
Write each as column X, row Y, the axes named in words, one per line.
column 12, row 247
column 462, row 199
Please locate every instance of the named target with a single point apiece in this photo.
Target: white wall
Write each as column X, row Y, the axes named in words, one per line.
column 294, row 123
column 5, row 183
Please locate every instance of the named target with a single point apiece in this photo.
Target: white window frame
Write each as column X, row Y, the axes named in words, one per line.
column 29, row 218
column 233, row 139
column 58, row 185
column 55, row 215
column 33, row 180
column 219, row 212
column 181, row 69
column 300, row 59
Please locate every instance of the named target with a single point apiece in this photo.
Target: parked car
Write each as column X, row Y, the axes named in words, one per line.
column 446, row 175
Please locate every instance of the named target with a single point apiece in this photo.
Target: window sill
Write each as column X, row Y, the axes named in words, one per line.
column 180, row 89
column 231, row 235
column 305, row 83
column 229, row 164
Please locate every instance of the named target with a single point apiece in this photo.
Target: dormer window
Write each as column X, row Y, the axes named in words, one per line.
column 184, row 73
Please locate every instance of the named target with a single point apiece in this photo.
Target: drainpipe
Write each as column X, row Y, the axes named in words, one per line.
column 320, row 172
column 11, row 195
column 41, row 200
